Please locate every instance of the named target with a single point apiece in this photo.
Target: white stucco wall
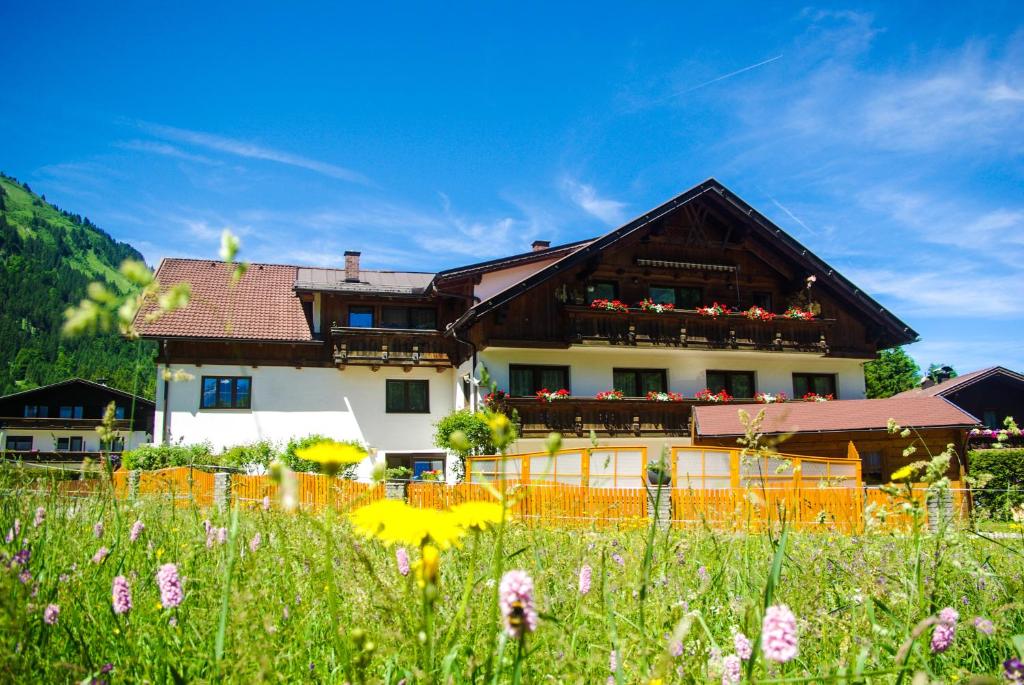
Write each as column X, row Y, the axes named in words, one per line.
column 493, row 282
column 590, row 368
column 45, row 440
column 289, row 402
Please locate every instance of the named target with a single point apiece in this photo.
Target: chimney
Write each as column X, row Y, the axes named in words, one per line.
column 539, row 245
column 352, row 266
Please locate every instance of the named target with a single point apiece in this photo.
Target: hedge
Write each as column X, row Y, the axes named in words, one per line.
column 1005, row 490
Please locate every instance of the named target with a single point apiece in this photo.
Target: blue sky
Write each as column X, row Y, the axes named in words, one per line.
column 888, row 139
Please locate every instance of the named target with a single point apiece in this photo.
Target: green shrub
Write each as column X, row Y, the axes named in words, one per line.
column 152, row 457
column 262, row 453
column 478, row 434
column 296, row 464
column 1005, row 490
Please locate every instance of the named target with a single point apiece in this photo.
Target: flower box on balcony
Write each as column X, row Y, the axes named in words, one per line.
column 610, row 395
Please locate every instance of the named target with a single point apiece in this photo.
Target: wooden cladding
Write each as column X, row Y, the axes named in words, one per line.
column 380, row 347
column 579, row 416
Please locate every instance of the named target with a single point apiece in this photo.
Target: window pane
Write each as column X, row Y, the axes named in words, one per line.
column 716, row 381
column 30, row 410
column 626, row 382
column 395, row 393
column 763, row 300
column 418, row 400
column 76, row 444
column 651, row 381
column 79, row 412
column 423, row 319
column 242, row 392
column 65, row 412
column 394, row 317
column 21, row 443
column 119, row 413
column 62, row 444
column 360, row 317
column 662, row 295
column 602, row 290
column 688, row 298
column 521, row 382
column 553, row 379
column 825, row 384
column 209, row 392
column 742, row 385
column 224, row 392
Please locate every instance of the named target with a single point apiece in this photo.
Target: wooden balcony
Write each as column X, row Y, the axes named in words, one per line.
column 626, row 417
column 376, row 347
column 688, row 329
column 65, row 456
column 56, row 423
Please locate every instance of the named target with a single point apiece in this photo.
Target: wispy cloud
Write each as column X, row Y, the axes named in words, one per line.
column 250, row 150
column 729, row 75
column 585, row 196
column 164, row 149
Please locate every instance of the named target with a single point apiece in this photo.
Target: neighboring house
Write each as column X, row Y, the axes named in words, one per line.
column 58, row 421
column 991, row 394
column 826, row 428
column 381, row 356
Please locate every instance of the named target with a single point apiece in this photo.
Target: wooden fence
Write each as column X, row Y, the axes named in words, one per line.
column 312, row 491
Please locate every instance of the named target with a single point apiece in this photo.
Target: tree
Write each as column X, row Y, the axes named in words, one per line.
column 940, row 372
column 894, row 371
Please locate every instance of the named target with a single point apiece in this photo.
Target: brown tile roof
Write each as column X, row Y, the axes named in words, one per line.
column 953, row 384
column 261, row 306
column 839, row 415
column 513, row 260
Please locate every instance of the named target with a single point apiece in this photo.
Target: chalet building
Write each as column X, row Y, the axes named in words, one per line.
column 991, row 394
column 825, row 429
column 58, row 422
column 381, row 356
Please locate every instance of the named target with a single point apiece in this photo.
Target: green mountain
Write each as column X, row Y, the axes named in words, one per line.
column 48, row 257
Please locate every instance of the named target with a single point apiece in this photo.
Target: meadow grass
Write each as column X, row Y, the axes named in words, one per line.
column 314, row 602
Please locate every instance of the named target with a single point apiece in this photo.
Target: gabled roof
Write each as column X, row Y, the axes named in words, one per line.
column 370, row 281
column 900, row 333
column 261, row 306
column 835, row 416
column 82, row 381
column 948, row 387
column 514, row 260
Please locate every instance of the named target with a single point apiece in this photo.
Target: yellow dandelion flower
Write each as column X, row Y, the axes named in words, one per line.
column 477, row 515
column 159, row 552
column 392, row 521
column 331, row 455
column 428, row 565
column 902, row 474
column 370, row 520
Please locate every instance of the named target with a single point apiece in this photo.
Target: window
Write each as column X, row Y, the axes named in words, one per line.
column 820, row 383
column 736, row 383
column 408, row 397
column 119, row 413
column 72, row 412
column 360, row 317
column 115, row 445
column 525, row 381
column 683, row 297
column 639, row 382
column 872, row 466
column 19, row 443
column 72, row 444
column 417, row 318
column 762, row 300
column 602, row 290
column 990, row 419
column 226, row 392
column 36, row 411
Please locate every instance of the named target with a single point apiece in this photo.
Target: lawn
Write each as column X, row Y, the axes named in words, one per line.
column 268, row 595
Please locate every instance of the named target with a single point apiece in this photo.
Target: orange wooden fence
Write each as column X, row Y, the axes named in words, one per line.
column 182, row 484
column 312, row 491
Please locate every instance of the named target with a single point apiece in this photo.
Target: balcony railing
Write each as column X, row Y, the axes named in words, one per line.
column 579, row 416
column 688, row 329
column 57, row 455
column 377, row 347
column 56, row 423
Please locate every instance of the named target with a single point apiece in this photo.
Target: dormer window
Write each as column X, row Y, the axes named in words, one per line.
column 360, row 317
column 602, row 290
column 681, row 297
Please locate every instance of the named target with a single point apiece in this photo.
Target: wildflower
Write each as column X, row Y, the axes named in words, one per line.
column 778, row 634
column 1013, row 670
column 207, row 526
column 402, row 557
column 391, row 521
column 731, row 670
column 617, row 558
column 222, row 536
column 211, row 537
column 516, row 601
column 984, row 625
column 97, row 530
column 21, row 557
column 14, row 532
column 613, row 661
column 40, row 517
column 266, row 502
column 170, row 586
column 25, row 577
column 50, row 614
column 676, row 648
column 702, row 573
column 122, row 595
column 585, row 574
column 945, row 631
column 477, row 515
column 428, row 566
column 100, row 555
column 254, row 544
column 741, row 643
column 902, row 474
column 331, row 455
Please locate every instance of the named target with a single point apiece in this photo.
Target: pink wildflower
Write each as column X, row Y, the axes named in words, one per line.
column 50, row 614
column 97, row 530
column 211, row 536
column 676, row 649
column 207, row 526
column 170, row 586
column 254, row 544
column 516, row 601
column 741, row 643
column 40, row 517
column 14, row 532
column 617, row 558
column 100, row 555
column 402, row 558
column 984, row 625
column 222, row 535
column 613, row 661
column 266, row 502
column 25, row 577
column 778, row 634
column 945, row 631
column 585, row 573
column 731, row 670
column 136, row 530
column 122, row 595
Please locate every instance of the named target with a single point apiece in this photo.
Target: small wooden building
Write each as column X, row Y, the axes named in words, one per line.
column 991, row 394
column 826, row 428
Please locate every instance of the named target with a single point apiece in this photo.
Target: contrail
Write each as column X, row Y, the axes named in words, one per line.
column 731, row 74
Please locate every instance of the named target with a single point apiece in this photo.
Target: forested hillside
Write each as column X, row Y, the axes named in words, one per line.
column 47, row 259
